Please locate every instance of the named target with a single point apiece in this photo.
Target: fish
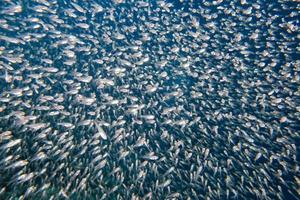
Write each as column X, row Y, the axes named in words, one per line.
column 100, row 132
column 149, row 99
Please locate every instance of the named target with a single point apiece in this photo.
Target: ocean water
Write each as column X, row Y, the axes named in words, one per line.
column 149, row 99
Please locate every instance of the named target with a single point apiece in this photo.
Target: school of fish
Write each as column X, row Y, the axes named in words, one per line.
column 137, row 99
